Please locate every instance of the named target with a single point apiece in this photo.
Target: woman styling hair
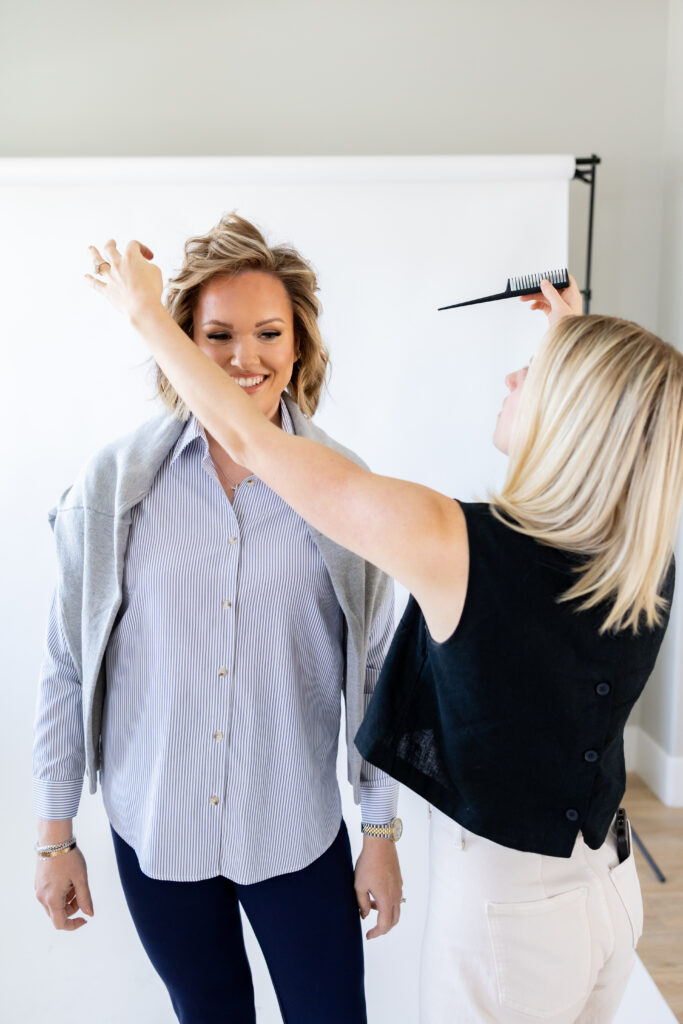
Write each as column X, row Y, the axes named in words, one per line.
column 534, row 625
column 198, row 646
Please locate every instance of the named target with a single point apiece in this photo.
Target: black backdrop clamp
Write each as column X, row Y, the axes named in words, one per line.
column 585, row 169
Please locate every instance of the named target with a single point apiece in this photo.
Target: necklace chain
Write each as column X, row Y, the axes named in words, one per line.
column 233, row 486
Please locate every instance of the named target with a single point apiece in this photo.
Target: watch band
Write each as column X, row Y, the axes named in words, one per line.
column 392, row 830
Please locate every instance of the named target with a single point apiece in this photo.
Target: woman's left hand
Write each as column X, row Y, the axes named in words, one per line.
column 378, row 884
column 129, row 280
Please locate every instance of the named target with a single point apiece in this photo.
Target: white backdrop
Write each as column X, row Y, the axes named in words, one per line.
column 414, row 391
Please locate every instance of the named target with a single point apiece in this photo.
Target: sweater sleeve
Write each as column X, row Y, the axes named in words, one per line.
column 378, row 791
column 58, row 741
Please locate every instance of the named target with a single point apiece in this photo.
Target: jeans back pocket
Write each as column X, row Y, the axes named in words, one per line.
column 542, row 953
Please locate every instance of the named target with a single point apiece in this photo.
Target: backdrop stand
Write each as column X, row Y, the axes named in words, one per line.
column 647, row 855
column 586, row 167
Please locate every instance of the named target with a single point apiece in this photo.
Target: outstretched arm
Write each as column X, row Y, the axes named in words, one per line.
column 411, row 532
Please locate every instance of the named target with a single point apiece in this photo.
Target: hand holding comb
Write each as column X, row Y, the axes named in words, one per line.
column 528, row 284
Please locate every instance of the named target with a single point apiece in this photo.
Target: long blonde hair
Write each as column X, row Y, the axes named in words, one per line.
column 596, row 462
column 231, row 247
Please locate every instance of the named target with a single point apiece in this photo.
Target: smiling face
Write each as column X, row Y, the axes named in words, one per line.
column 506, row 417
column 245, row 325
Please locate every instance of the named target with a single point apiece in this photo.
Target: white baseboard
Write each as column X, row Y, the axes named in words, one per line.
column 662, row 772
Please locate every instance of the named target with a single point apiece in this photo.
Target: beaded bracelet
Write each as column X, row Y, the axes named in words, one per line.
column 54, row 848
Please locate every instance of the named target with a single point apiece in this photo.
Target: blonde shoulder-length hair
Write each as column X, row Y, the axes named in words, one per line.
column 596, row 462
column 233, row 246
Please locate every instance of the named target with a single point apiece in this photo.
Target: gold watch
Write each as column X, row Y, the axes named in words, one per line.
column 393, row 830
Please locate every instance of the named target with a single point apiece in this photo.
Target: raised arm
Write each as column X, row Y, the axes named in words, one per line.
column 410, row 532
column 414, row 534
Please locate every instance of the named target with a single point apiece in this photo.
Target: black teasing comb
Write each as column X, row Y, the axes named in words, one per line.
column 529, row 284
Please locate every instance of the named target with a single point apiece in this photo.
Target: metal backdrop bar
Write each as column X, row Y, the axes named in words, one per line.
column 586, row 167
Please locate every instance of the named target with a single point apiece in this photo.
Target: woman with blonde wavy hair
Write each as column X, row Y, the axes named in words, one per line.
column 534, row 624
column 200, row 641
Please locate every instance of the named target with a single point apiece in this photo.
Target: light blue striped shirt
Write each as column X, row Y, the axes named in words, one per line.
column 224, row 677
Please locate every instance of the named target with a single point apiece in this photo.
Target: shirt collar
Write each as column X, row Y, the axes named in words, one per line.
column 285, row 418
column 194, row 431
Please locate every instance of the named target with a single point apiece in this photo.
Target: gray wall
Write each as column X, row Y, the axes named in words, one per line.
column 661, row 708
column 360, row 76
column 386, row 77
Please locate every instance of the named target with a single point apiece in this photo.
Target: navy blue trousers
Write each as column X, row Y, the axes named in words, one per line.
column 307, row 924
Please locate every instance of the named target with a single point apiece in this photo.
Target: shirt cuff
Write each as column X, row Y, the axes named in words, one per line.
column 56, row 801
column 378, row 803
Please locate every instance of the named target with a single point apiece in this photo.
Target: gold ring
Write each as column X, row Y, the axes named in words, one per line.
column 102, row 263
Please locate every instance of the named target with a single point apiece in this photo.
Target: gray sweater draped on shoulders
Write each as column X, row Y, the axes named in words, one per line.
column 91, row 525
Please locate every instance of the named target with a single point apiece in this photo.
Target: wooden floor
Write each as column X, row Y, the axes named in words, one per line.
column 661, row 947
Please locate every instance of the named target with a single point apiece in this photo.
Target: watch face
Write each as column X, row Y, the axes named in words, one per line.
column 398, row 829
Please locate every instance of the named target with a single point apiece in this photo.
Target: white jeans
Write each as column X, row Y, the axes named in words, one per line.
column 513, row 937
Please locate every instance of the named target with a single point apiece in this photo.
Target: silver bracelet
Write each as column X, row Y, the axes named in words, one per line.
column 55, row 847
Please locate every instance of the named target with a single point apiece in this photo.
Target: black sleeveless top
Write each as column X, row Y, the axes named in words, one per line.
column 514, row 726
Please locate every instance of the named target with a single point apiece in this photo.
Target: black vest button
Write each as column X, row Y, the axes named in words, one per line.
column 571, row 814
column 591, row 756
column 602, row 689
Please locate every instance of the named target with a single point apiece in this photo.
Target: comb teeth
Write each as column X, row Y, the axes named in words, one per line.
column 527, row 284
column 528, row 281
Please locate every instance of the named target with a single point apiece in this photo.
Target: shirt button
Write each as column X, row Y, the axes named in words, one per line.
column 591, row 756
column 222, row 671
column 250, row 483
column 226, row 604
column 233, row 540
column 602, row 689
column 218, row 735
column 214, row 800
column 571, row 814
